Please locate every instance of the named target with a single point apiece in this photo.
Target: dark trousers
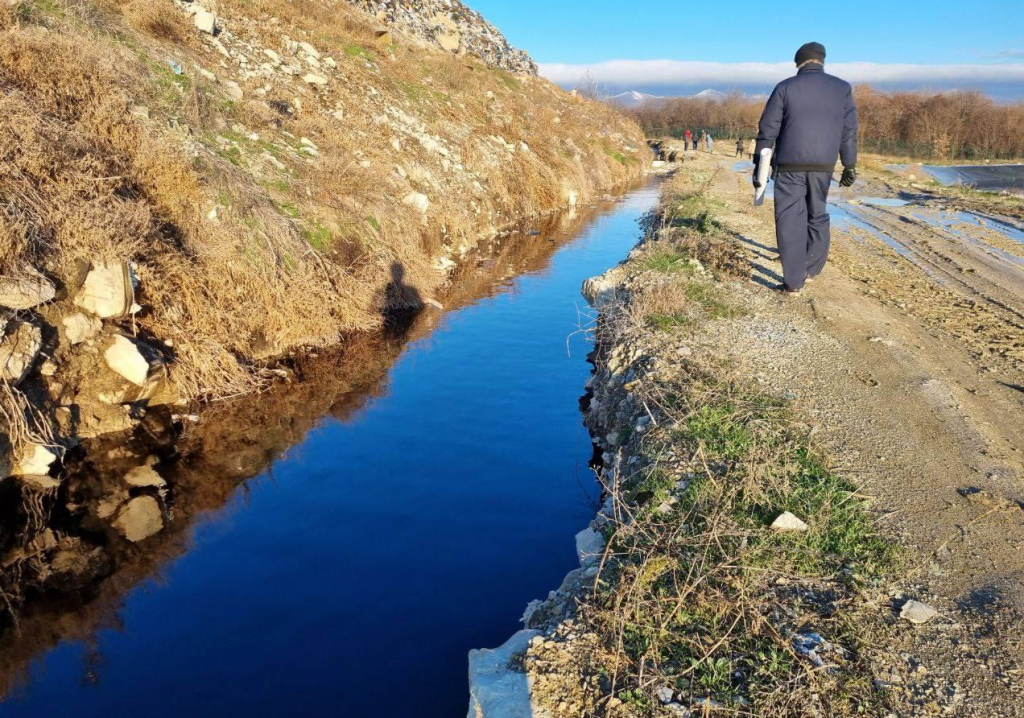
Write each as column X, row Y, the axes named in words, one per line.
column 802, row 224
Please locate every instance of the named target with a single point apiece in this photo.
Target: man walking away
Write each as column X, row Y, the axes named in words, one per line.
column 710, row 142
column 739, row 148
column 810, row 120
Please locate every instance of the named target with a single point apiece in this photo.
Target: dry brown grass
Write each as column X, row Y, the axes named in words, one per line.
column 158, row 20
column 295, row 257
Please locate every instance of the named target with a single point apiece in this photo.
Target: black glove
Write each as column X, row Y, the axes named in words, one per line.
column 849, row 177
column 757, row 181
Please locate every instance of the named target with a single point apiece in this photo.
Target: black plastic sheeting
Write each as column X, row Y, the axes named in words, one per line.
column 993, row 178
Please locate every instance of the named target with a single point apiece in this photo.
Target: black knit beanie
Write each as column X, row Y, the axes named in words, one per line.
column 810, row 51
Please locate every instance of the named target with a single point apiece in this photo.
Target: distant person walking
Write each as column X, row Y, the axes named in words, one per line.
column 710, row 143
column 810, row 120
column 750, row 148
column 686, row 144
column 739, row 148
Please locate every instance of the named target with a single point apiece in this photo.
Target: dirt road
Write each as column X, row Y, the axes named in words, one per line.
column 907, row 357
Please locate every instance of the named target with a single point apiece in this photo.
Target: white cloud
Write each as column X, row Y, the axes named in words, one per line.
column 654, row 73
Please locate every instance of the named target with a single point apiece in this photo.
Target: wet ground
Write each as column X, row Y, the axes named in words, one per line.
column 338, row 546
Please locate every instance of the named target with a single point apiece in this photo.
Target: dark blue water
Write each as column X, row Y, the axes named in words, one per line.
column 353, row 577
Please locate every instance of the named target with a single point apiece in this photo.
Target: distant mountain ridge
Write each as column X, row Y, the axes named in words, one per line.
column 633, row 98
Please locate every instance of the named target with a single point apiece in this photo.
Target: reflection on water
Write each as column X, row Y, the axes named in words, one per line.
column 336, row 546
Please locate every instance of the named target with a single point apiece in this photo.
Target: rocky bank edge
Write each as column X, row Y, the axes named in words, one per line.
column 498, row 685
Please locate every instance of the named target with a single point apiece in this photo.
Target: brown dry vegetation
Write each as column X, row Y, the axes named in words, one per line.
column 289, row 257
column 939, row 126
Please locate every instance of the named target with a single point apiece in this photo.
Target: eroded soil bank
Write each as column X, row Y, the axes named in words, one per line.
column 814, row 505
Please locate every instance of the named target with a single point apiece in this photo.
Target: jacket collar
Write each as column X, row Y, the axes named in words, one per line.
column 813, row 67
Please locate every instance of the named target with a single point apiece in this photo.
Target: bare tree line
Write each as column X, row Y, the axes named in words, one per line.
column 964, row 124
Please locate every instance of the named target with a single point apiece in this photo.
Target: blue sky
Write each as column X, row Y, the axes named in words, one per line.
column 949, row 39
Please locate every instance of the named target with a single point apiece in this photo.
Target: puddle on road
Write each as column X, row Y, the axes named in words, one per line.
column 845, row 215
column 951, row 223
column 882, row 201
column 746, row 167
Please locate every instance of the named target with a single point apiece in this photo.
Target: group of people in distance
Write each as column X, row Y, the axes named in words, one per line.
column 691, row 141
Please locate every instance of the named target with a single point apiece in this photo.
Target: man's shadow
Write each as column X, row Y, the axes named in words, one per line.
column 400, row 303
column 765, row 276
column 760, row 273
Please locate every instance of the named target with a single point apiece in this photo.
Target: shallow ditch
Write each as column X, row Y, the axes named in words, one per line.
column 360, row 527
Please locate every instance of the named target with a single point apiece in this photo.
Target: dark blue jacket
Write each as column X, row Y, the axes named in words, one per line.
column 810, row 120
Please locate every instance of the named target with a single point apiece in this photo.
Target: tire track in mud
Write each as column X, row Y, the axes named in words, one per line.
column 936, row 277
column 961, row 275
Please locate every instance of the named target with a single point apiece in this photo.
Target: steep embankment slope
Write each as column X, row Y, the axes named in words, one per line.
column 190, row 188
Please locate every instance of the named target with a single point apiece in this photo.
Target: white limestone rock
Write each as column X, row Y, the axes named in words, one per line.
column 79, row 328
column 917, row 612
column 788, row 522
column 133, row 360
column 19, row 347
column 418, row 200
column 589, row 546
column 25, row 289
column 497, row 689
column 109, row 290
column 35, row 460
column 205, row 21
column 603, row 291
